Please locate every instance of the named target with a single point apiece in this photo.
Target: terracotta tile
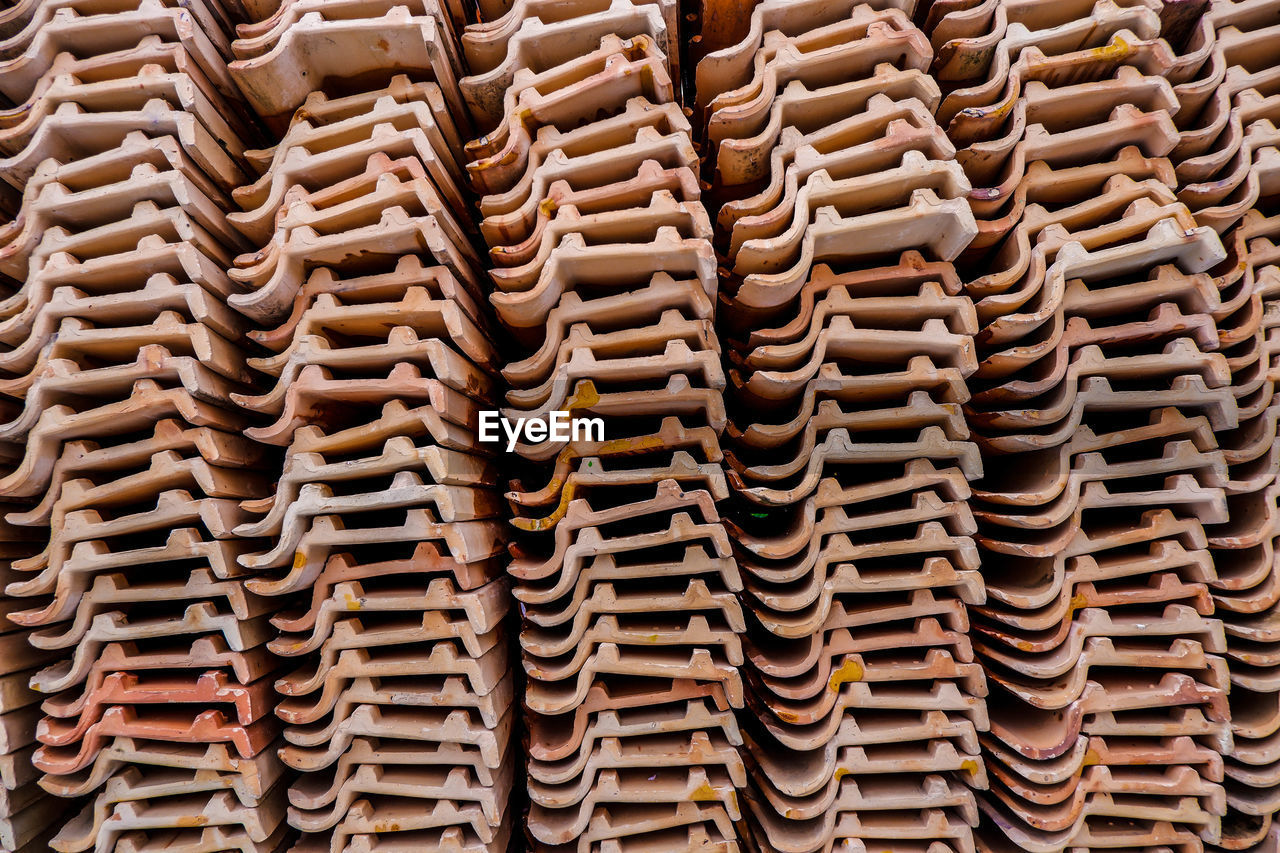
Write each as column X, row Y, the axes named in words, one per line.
column 1063, row 692
column 1044, row 658
column 593, row 473
column 407, row 724
column 575, row 584
column 550, row 363
column 804, row 471
column 403, row 345
column 831, row 611
column 578, row 532
column 551, row 85
column 249, row 778
column 391, row 629
column 1135, row 214
column 452, row 505
column 1056, row 774
column 209, row 726
column 200, row 618
column 416, row 312
column 846, row 50
column 215, row 838
column 611, row 712
column 929, row 304
column 70, row 132
column 251, row 701
column 1007, row 486
column 680, row 398
column 83, row 457
column 529, row 52
column 168, row 343
column 445, row 822
column 438, row 656
column 202, row 524
column 1104, row 783
column 606, row 267
column 517, row 236
column 315, row 791
column 259, row 821
column 948, row 19
column 66, row 580
column 856, row 744
column 69, row 196
column 607, row 321
column 115, row 589
column 454, row 839
column 305, row 468
column 315, row 725
column 840, row 339
column 327, row 534
column 146, row 220
column 609, row 616
column 668, row 495
column 1094, row 131
column 147, row 404
column 1087, row 48
column 357, row 202
column 399, row 136
column 396, row 233
column 308, row 400
column 758, row 125
column 130, row 264
column 1186, row 809
column 864, row 807
column 1190, row 477
column 944, row 386
column 92, row 34
column 255, row 39
column 520, row 269
column 625, row 824
column 350, row 112
column 756, row 240
column 15, row 801
column 609, row 658
column 276, row 82
column 409, row 272
column 845, row 148
column 696, row 750
column 801, row 673
column 799, row 730
column 179, row 90
column 694, row 746
column 730, row 67
column 125, row 60
column 486, row 44
column 633, row 786
column 16, row 727
column 419, row 783
column 677, row 359
column 619, row 82
column 810, row 529
column 508, row 179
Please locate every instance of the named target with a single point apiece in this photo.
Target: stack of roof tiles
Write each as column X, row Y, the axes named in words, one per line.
column 382, row 533
column 121, row 358
column 851, row 350
column 919, row 489
column 1106, row 355
column 604, row 276
column 1232, row 182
